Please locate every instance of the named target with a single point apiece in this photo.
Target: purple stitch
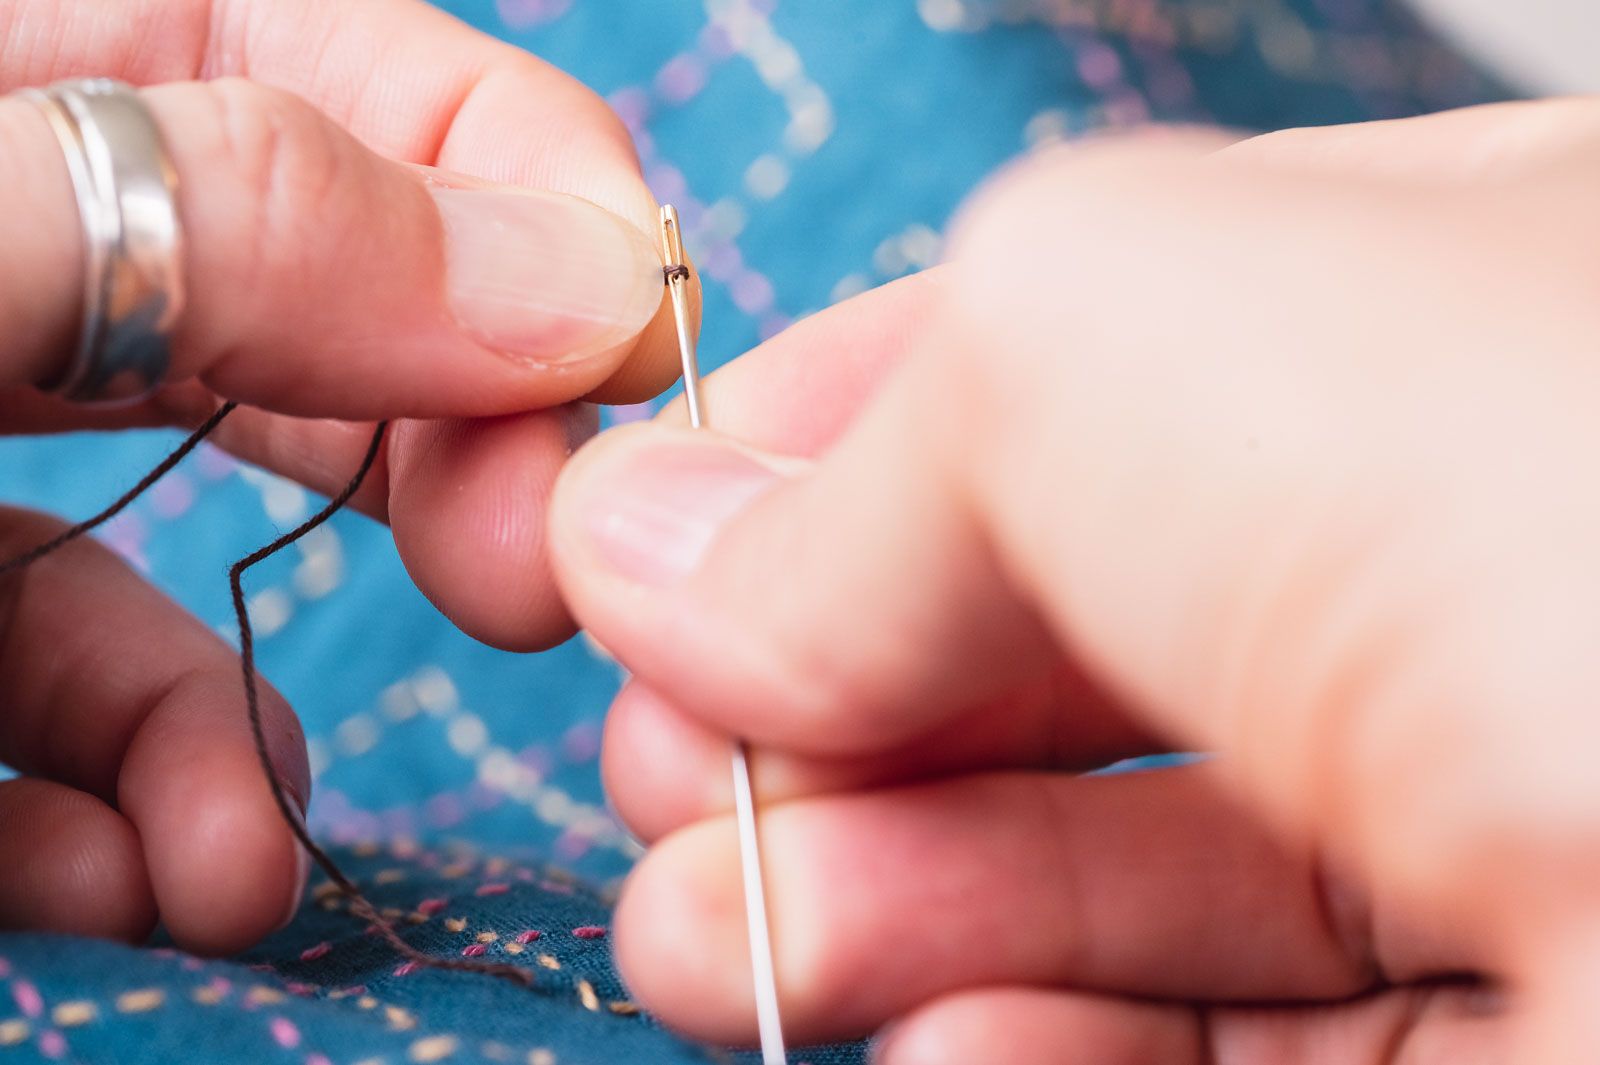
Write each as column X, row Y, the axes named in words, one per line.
column 284, row 1033
column 318, row 951
column 525, row 14
column 215, row 464
column 632, row 105
column 590, row 931
column 581, row 742
column 752, row 292
column 537, row 757
column 429, row 907
column 474, row 950
column 1098, row 65
column 406, row 968
column 668, row 183
column 715, row 42
column 444, row 811
column 529, row 936
column 774, row 323
column 52, row 1044
column 482, row 797
column 571, row 845
column 172, row 496
column 295, row 987
column 27, row 996
column 493, row 889
column 722, row 261
column 681, row 79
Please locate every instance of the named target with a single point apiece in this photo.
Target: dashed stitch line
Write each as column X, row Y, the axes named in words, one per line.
column 141, row 1001
column 284, row 1032
column 432, row 1048
column 586, row 995
column 72, row 1014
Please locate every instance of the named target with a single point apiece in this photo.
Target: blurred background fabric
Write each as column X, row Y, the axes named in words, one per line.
column 1546, row 46
column 815, row 150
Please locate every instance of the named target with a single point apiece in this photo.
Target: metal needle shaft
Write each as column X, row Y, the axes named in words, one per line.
column 755, row 897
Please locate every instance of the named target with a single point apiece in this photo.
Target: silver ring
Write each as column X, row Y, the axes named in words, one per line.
column 127, row 192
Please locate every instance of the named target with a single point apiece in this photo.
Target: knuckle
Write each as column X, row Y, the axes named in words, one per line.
column 279, row 148
column 271, row 159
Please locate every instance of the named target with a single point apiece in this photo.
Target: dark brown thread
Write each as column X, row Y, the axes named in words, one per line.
column 359, row 905
column 291, row 815
column 675, row 273
column 164, row 467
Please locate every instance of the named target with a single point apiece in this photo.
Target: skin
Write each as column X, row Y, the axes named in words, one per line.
column 1278, row 450
column 142, row 798
column 1169, row 455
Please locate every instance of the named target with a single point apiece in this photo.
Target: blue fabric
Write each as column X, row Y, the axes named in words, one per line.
column 813, row 154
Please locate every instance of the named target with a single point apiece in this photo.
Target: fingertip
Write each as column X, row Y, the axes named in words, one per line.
column 77, row 866
column 468, row 509
column 232, row 876
column 662, row 770
column 680, row 941
column 223, row 865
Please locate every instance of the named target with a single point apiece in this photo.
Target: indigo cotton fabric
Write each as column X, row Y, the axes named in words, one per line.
column 814, row 150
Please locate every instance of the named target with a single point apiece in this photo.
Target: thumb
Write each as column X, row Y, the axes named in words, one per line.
column 326, row 280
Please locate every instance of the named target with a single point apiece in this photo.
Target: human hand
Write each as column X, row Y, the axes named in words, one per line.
column 1282, row 452
column 342, row 266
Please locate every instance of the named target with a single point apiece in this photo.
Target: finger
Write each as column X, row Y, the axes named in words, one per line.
column 1409, row 1026
column 410, row 81
column 1149, row 884
column 157, row 730
column 1558, row 1025
column 1471, row 146
column 1046, row 1028
column 664, row 768
column 325, row 280
column 467, row 505
column 75, row 865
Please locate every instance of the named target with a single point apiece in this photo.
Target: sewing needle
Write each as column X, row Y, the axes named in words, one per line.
column 755, row 896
